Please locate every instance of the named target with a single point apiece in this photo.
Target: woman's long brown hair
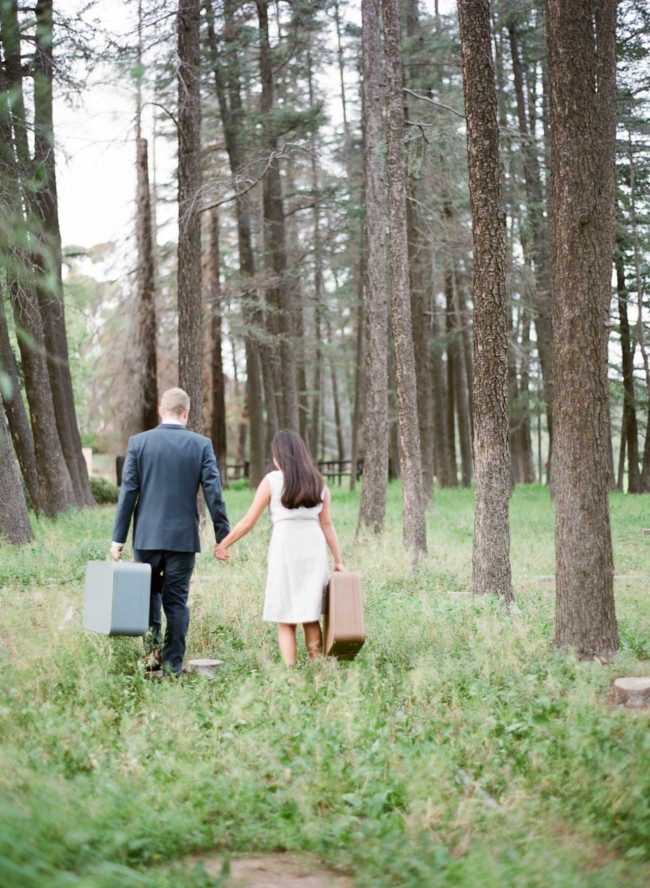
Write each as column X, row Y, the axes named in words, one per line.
column 303, row 483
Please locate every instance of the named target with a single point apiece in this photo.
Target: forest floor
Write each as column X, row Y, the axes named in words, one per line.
column 459, row 748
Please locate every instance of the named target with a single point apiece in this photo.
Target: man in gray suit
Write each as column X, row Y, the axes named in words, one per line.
column 162, row 473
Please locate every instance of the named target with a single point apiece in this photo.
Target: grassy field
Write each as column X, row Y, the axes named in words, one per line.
column 458, row 749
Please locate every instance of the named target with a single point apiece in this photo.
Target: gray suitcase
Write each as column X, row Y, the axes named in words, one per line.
column 116, row 597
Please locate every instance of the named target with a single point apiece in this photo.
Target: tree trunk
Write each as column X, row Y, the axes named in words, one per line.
column 318, row 278
column 640, row 329
column 526, row 444
column 336, row 401
column 415, row 535
column 218, row 418
column 280, row 295
column 230, row 109
column 21, row 433
column 513, row 400
column 491, row 558
column 56, row 493
column 461, row 395
column 190, row 338
column 357, row 416
column 445, row 469
column 582, row 69
column 50, row 287
column 452, row 351
column 421, row 284
column 621, row 454
column 55, row 485
column 463, row 321
column 375, row 465
column 542, row 298
column 629, row 432
column 14, row 518
column 148, row 394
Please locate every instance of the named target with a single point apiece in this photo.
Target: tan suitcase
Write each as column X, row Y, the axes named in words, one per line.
column 344, row 626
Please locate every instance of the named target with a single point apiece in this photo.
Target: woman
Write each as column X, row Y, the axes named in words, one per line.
column 299, row 503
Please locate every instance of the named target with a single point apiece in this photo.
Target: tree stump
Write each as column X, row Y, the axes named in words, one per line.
column 632, row 692
column 205, row 667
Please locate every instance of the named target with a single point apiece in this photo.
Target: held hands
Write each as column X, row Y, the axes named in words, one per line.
column 221, row 553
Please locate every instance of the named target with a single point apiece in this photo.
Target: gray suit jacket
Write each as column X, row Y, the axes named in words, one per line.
column 162, row 473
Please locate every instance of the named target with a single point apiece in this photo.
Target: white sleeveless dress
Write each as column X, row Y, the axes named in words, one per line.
column 298, row 563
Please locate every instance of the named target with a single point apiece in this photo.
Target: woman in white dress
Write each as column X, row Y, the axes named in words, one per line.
column 299, row 504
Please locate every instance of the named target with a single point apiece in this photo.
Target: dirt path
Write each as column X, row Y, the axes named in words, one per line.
column 273, row 871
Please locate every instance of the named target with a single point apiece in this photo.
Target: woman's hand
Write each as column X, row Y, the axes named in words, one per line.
column 338, row 566
column 221, row 553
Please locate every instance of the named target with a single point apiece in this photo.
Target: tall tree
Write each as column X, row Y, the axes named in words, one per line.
column 415, row 534
column 14, row 519
column 190, row 336
column 536, row 230
column 420, row 267
column 372, row 509
column 582, row 69
column 228, row 89
column 21, row 433
column 56, row 493
column 146, row 282
column 218, row 418
column 281, row 293
column 50, row 284
column 491, row 553
column 629, row 434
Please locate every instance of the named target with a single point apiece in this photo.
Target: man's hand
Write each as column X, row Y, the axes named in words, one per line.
column 116, row 551
column 220, row 553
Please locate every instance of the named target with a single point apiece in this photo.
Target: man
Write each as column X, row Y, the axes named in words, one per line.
column 162, row 473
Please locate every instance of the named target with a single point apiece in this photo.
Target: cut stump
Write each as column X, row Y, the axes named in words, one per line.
column 205, row 667
column 632, row 692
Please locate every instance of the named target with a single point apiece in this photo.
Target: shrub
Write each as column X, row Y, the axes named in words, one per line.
column 103, row 491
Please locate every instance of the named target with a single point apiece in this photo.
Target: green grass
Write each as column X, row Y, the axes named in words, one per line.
column 459, row 749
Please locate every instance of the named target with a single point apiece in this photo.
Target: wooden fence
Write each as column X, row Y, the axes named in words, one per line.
column 329, row 468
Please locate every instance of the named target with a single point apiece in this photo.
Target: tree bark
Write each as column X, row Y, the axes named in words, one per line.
column 629, row 432
column 218, row 417
column 357, row 415
column 14, row 518
column 148, row 393
column 444, row 467
column 421, row 283
column 526, row 443
column 375, row 466
column 280, row 295
column 461, row 399
column 542, row 298
column 581, row 40
column 18, row 421
column 231, row 111
column 415, row 535
column 50, row 287
column 190, row 321
column 56, row 492
column 490, row 559
column 640, row 328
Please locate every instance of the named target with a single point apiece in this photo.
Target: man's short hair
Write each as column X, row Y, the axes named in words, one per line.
column 174, row 401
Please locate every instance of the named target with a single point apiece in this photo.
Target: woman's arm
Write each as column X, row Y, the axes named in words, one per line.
column 260, row 502
column 329, row 530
